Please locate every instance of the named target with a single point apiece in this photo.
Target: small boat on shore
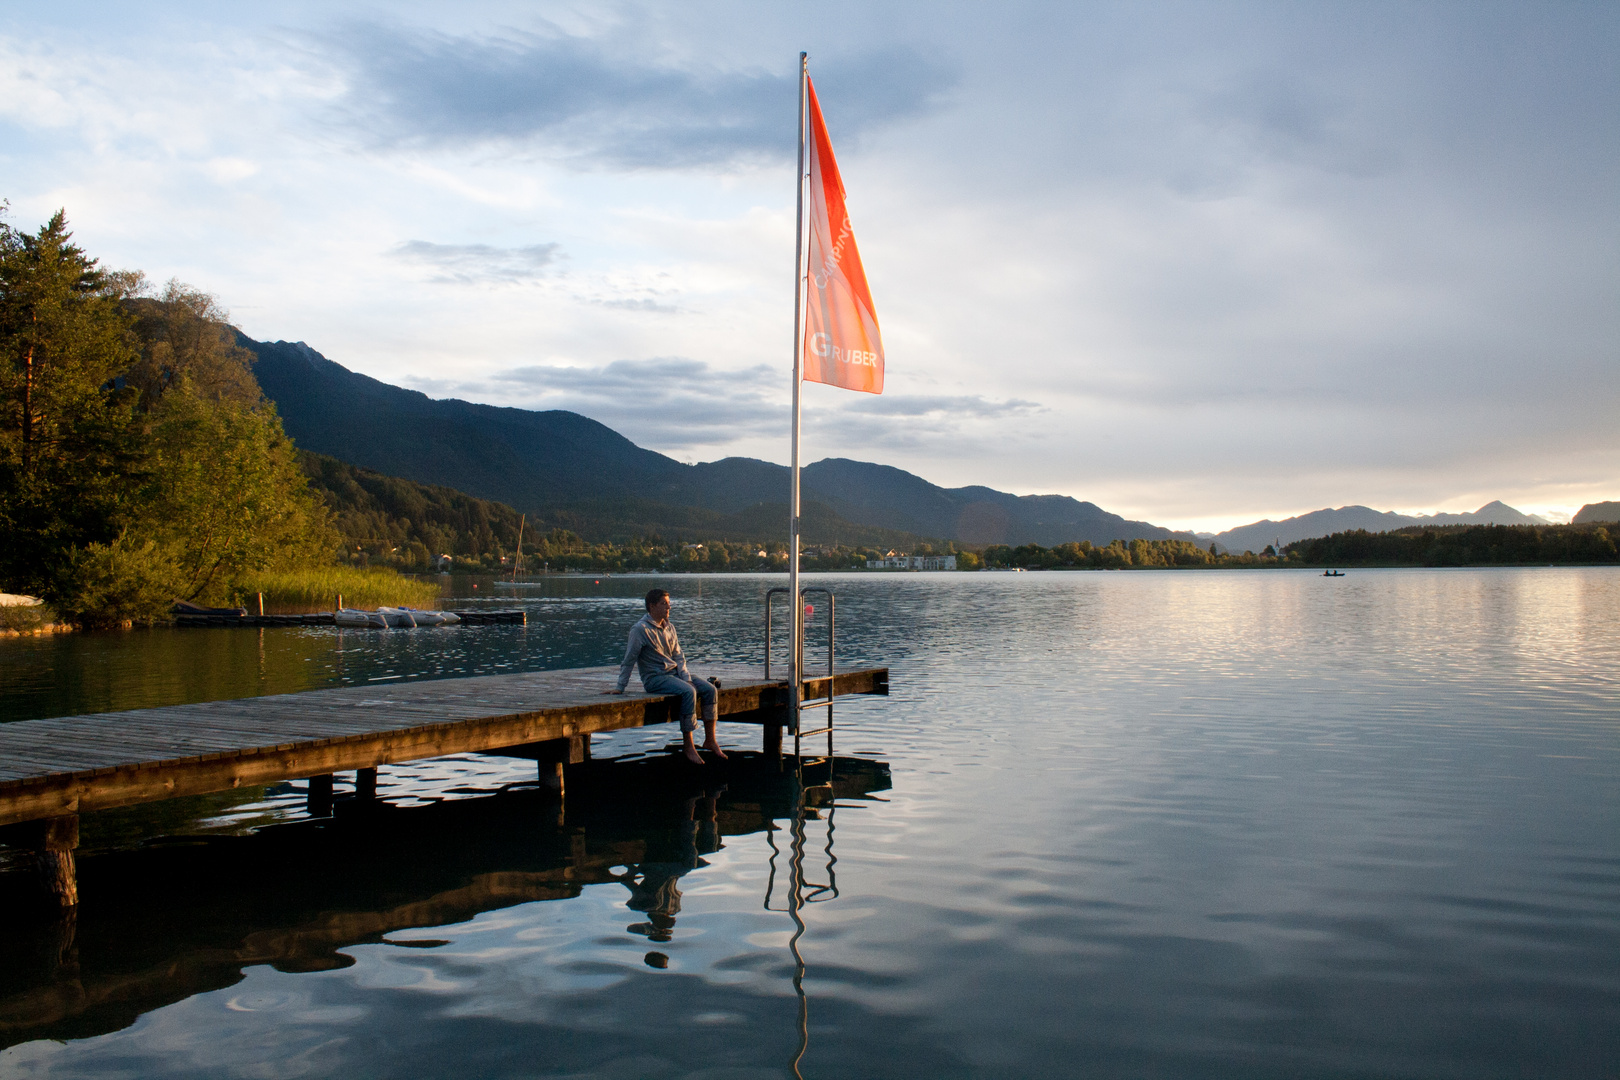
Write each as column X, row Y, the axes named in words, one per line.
column 393, row 618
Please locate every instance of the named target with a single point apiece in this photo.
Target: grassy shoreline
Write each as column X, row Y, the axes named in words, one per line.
column 294, row 592
column 287, row 592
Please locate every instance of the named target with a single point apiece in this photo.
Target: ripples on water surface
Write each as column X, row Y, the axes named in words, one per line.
column 1133, row 824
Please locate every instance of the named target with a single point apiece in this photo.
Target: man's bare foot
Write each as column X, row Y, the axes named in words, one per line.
column 691, row 754
column 714, row 748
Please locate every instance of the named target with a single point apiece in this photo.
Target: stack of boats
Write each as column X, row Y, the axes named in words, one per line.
column 395, row 617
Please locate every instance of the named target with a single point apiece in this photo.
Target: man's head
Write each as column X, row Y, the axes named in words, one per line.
column 658, row 604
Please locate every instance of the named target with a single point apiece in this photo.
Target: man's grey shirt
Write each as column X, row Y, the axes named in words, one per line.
column 653, row 649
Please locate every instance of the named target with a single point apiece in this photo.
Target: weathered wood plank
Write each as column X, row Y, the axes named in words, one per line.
column 68, row 764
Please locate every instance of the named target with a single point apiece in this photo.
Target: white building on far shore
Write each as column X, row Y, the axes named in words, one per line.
column 912, row 562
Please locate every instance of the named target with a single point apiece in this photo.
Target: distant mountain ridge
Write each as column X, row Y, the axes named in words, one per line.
column 1318, row 523
column 1598, row 511
column 542, row 461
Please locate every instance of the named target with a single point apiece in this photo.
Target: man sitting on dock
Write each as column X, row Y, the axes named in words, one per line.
column 656, row 651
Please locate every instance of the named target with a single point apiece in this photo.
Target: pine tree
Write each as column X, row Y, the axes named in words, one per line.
column 68, row 438
column 139, row 461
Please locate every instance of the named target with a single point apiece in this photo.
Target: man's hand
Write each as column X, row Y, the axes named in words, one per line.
column 613, row 691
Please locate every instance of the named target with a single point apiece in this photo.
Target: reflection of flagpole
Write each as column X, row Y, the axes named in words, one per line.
column 795, row 902
column 796, row 635
column 801, row 892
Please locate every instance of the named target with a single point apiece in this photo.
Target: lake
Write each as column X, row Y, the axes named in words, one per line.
column 1197, row 823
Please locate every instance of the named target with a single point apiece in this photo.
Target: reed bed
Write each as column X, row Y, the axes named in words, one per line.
column 291, row 592
column 22, row 619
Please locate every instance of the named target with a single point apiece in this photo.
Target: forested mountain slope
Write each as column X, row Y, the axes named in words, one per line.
column 547, row 462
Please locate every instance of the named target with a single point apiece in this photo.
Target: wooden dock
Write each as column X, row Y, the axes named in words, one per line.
column 58, row 767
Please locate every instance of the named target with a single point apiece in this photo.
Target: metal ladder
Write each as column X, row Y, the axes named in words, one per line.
column 827, row 702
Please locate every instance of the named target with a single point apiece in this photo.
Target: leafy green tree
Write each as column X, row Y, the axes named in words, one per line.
column 229, row 496
column 69, row 442
column 186, row 341
column 1460, row 545
column 139, row 463
column 1115, row 555
column 222, row 498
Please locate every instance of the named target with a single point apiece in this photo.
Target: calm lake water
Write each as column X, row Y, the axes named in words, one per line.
column 1200, row 824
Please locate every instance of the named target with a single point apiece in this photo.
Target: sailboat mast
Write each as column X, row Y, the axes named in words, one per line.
column 517, row 563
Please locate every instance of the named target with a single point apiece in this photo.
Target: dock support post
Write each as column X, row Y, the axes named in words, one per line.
column 53, row 841
column 773, row 741
column 555, row 755
column 365, row 783
column 318, row 799
column 551, row 777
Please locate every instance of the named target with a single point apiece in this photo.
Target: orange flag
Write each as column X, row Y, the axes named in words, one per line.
column 841, row 342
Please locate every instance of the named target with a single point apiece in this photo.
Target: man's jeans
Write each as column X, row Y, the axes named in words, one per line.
column 691, row 693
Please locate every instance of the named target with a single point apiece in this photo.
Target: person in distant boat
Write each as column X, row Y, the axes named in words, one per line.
column 656, row 651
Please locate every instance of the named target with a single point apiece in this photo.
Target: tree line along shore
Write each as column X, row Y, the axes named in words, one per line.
column 1442, row 545
column 141, row 464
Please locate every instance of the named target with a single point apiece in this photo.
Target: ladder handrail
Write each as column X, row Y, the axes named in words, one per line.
column 832, row 611
column 827, row 703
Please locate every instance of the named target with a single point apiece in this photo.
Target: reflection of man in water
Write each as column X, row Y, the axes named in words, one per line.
column 656, row 651
column 653, row 886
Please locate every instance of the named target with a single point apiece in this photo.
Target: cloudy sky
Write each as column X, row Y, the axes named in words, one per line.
column 1198, row 263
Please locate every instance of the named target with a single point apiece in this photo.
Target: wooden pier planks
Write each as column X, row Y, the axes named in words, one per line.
column 67, row 764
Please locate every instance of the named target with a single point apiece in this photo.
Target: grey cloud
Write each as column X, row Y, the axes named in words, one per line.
column 605, row 101
column 849, row 433
column 642, row 304
column 665, row 403
column 1264, row 118
column 960, row 406
column 657, row 376
column 467, row 264
column 676, row 404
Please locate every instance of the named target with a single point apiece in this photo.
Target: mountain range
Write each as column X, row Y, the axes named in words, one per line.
column 545, row 462
column 565, row 467
column 1326, row 522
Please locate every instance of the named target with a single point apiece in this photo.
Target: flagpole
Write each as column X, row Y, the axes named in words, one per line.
column 796, row 636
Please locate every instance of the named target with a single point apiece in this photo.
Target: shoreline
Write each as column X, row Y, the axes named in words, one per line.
column 42, row 630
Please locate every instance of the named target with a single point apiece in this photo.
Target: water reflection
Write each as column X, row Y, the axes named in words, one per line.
column 800, row 892
column 653, row 884
column 180, row 917
column 1214, row 824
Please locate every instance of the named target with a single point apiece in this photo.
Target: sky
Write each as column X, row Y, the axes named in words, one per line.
column 1197, row 263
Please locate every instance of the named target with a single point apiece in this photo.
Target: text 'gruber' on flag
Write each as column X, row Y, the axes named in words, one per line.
column 841, row 342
